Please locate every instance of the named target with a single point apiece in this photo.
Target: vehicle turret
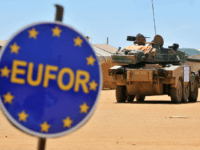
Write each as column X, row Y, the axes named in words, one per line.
column 154, row 52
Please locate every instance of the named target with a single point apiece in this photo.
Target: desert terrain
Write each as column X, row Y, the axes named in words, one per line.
column 121, row 126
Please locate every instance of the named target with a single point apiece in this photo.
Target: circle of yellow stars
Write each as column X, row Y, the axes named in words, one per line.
column 8, row 98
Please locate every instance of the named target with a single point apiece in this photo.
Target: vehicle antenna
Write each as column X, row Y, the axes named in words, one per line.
column 153, row 17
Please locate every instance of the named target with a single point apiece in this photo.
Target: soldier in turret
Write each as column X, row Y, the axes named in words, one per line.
column 140, row 39
column 174, row 47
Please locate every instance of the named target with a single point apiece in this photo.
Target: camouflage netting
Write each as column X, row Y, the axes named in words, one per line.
column 106, row 63
column 145, row 49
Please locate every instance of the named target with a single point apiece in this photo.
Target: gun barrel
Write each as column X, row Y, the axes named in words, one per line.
column 131, row 38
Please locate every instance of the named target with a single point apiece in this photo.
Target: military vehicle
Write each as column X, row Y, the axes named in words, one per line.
column 147, row 68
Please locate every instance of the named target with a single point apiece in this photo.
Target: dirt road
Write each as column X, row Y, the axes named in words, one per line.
column 128, row 126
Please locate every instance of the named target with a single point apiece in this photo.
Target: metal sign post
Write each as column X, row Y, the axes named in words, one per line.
column 41, row 143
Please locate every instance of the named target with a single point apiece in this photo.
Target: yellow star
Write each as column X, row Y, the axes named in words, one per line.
column 90, row 60
column 33, row 33
column 93, row 85
column 56, row 31
column 22, row 116
column 5, row 72
column 84, row 108
column 78, row 41
column 14, row 48
column 67, row 122
column 8, row 98
column 45, row 127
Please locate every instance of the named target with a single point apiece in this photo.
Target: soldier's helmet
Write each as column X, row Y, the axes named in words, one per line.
column 140, row 39
column 158, row 40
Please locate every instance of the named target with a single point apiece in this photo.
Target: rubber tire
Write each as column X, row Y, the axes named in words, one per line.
column 176, row 93
column 185, row 92
column 130, row 98
column 193, row 95
column 140, row 98
column 121, row 95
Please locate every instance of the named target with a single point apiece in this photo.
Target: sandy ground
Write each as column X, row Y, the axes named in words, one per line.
column 128, row 126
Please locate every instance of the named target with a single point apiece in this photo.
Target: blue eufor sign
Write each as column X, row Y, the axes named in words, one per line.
column 50, row 79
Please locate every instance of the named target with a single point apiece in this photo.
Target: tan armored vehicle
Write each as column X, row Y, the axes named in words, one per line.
column 144, row 70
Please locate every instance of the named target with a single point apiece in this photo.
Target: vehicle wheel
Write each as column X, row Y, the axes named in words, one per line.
column 185, row 93
column 121, row 94
column 140, row 98
column 176, row 93
column 193, row 95
column 130, row 98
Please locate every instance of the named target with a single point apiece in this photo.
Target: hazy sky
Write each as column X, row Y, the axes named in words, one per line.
column 177, row 21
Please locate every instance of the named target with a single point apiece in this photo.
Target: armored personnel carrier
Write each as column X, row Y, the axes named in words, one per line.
column 147, row 68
